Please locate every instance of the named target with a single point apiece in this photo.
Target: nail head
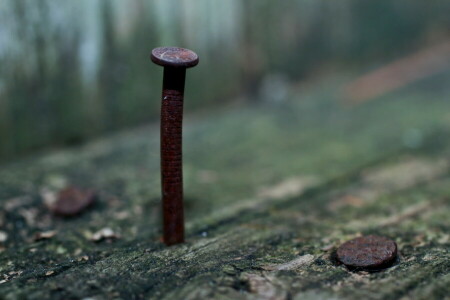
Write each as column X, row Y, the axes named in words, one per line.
column 174, row 57
column 72, row 201
column 367, row 252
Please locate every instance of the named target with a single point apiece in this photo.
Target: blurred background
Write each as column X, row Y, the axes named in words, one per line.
column 74, row 70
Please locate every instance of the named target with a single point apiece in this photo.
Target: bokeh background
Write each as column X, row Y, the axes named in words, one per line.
column 73, row 70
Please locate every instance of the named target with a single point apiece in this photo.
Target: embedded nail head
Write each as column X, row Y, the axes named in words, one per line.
column 174, row 57
column 368, row 252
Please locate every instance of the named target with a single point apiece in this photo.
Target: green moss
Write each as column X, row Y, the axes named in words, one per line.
column 357, row 177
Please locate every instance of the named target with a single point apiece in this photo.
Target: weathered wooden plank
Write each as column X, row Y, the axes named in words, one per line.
column 269, row 196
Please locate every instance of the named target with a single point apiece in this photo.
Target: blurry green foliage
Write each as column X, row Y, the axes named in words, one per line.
column 71, row 70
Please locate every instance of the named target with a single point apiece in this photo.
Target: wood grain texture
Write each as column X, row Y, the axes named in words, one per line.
column 242, row 241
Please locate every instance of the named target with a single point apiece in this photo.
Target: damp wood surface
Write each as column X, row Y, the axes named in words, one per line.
column 271, row 190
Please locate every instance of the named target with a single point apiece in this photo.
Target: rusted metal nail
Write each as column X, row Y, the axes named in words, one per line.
column 367, row 253
column 175, row 61
column 72, row 201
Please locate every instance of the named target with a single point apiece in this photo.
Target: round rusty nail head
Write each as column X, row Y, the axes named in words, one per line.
column 367, row 252
column 174, row 57
column 71, row 201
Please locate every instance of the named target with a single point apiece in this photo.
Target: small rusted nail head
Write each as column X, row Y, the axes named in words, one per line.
column 174, row 57
column 367, row 252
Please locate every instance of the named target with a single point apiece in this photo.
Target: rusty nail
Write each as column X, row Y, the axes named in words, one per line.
column 175, row 61
column 72, row 200
column 367, row 253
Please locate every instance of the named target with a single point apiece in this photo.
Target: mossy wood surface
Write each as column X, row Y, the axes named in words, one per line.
column 271, row 190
